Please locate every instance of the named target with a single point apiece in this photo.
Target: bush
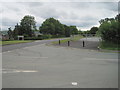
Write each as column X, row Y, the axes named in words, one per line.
column 109, row 31
column 57, row 36
column 33, row 38
column 46, row 36
column 109, row 45
column 40, row 37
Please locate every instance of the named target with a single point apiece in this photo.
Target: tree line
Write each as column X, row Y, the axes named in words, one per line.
column 109, row 29
column 26, row 27
column 93, row 31
column 54, row 27
column 50, row 26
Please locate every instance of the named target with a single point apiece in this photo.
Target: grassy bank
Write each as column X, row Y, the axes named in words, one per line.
column 109, row 46
column 14, row 42
column 75, row 38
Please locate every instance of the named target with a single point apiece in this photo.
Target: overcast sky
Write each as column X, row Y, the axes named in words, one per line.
column 84, row 15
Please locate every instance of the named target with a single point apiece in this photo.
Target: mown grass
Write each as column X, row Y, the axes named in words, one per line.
column 14, row 42
column 109, row 46
column 61, row 41
column 75, row 38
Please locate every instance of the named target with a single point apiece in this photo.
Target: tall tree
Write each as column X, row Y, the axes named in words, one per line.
column 93, row 30
column 52, row 26
column 10, row 33
column 17, row 31
column 73, row 30
column 117, row 17
column 48, row 26
column 67, row 30
column 109, row 30
column 28, row 25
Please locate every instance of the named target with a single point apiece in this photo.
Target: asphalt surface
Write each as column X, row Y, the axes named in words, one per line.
column 91, row 43
column 46, row 66
column 22, row 45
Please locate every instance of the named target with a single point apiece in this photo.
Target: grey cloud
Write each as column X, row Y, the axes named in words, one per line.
column 33, row 4
column 119, row 7
column 80, row 23
column 5, row 23
column 50, row 13
column 99, row 5
column 113, row 6
column 45, row 11
column 79, row 5
column 11, row 6
column 87, row 24
column 81, row 14
column 87, row 18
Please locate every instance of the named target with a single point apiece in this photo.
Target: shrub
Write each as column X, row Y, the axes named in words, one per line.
column 33, row 38
column 57, row 36
column 46, row 36
column 109, row 31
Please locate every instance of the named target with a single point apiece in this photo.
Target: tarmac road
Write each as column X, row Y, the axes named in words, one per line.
column 91, row 43
column 22, row 45
column 46, row 66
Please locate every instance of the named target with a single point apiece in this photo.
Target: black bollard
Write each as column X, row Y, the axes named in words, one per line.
column 59, row 42
column 83, row 44
column 68, row 43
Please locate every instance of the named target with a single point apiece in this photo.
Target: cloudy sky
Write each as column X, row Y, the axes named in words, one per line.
column 84, row 15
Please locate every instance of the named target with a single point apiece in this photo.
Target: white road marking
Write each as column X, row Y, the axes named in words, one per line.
column 25, row 71
column 74, row 83
column 16, row 71
column 7, row 52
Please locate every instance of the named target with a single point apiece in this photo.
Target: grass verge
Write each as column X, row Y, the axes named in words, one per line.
column 14, row 42
column 61, row 41
column 75, row 38
column 109, row 46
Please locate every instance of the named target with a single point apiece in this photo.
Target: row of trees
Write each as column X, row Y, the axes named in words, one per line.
column 54, row 27
column 92, row 32
column 109, row 29
column 50, row 26
column 26, row 27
